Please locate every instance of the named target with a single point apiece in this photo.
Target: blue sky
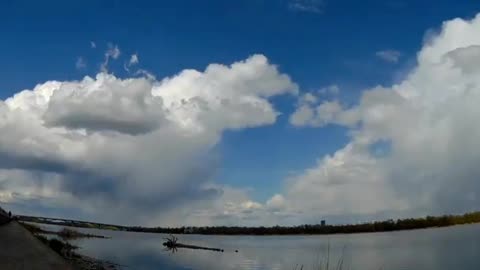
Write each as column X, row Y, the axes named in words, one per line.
column 43, row 39
column 318, row 43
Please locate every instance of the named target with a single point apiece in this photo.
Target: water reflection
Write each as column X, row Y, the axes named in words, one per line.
column 432, row 249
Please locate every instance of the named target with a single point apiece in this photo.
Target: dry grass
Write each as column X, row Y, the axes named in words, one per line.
column 326, row 263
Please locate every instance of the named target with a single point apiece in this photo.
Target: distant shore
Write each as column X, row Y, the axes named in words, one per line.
column 313, row 229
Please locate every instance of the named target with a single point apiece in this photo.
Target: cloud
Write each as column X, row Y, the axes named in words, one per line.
column 311, row 112
column 93, row 45
column 327, row 112
column 145, row 73
column 276, row 203
column 391, row 56
column 113, row 52
column 80, row 63
column 117, row 147
column 426, row 122
column 133, row 59
column 122, row 106
column 330, row 90
column 319, row 115
column 310, row 6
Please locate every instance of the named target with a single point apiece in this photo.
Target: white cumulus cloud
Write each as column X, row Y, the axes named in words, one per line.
column 428, row 126
column 113, row 146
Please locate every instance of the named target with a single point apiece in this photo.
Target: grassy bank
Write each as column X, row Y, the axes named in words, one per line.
column 67, row 250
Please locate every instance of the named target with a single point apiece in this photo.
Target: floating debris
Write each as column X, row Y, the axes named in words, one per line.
column 172, row 244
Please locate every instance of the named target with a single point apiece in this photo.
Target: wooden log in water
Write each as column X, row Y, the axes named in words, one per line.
column 180, row 245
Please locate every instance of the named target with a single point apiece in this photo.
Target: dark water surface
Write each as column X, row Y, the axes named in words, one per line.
column 431, row 249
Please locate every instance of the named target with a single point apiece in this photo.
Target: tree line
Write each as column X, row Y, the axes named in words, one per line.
column 377, row 226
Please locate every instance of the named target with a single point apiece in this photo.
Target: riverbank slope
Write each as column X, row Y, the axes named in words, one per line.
column 21, row 250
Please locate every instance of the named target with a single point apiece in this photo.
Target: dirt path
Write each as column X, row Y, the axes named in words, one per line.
column 20, row 250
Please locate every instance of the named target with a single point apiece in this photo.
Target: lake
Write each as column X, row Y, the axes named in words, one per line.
column 448, row 248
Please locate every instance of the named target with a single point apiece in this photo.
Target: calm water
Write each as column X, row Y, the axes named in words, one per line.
column 432, row 249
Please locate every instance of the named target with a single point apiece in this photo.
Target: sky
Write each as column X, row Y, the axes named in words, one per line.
column 248, row 112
